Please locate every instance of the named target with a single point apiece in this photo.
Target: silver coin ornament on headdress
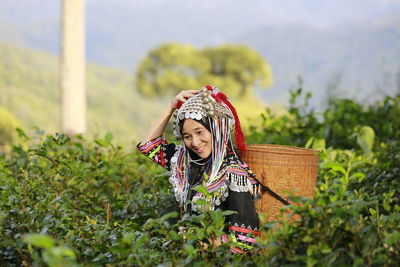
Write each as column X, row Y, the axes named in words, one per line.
column 199, row 106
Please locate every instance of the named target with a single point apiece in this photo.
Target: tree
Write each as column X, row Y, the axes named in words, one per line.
column 238, row 68
column 72, row 65
column 172, row 67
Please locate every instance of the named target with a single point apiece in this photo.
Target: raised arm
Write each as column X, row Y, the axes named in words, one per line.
column 161, row 123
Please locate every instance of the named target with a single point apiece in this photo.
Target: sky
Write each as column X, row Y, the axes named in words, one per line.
column 262, row 12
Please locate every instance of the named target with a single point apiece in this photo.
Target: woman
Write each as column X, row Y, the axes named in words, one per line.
column 205, row 120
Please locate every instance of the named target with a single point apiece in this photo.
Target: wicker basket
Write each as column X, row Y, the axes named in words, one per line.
column 285, row 170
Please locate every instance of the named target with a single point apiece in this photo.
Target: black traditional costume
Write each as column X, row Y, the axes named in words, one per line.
column 233, row 186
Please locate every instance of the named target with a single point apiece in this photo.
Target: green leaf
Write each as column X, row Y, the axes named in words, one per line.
column 128, row 237
column 359, row 176
column 372, row 211
column 201, row 202
column 309, row 142
column 63, row 252
column 386, row 206
column 319, row 144
column 22, row 134
column 39, row 240
column 311, row 249
column 229, row 212
column 217, row 216
column 173, row 214
column 334, row 166
column 174, row 235
column 325, row 249
column 316, row 143
column 100, row 142
column 141, row 241
column 202, row 189
column 108, row 138
column 307, row 239
column 392, row 238
column 365, row 139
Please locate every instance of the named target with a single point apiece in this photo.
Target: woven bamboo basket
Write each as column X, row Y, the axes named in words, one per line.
column 285, row 170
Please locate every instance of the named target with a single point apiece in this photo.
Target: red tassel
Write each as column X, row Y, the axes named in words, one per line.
column 179, row 105
column 240, row 139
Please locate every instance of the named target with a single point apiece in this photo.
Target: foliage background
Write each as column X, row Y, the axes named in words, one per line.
column 92, row 203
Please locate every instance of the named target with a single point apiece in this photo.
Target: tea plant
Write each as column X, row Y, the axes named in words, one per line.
column 75, row 202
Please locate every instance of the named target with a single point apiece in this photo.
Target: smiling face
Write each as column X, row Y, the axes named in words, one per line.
column 197, row 138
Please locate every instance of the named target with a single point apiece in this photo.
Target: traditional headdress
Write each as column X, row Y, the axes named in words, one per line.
column 212, row 105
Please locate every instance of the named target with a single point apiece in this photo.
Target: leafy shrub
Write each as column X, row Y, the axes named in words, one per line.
column 86, row 194
column 336, row 124
column 340, row 226
column 73, row 201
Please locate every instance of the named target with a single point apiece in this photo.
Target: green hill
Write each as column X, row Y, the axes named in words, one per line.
column 29, row 89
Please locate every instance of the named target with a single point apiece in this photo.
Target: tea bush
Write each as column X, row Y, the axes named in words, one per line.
column 85, row 194
column 348, row 222
column 75, row 202
column 336, row 124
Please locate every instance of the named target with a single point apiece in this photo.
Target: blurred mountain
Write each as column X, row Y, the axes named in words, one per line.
column 346, row 47
column 361, row 62
column 29, row 89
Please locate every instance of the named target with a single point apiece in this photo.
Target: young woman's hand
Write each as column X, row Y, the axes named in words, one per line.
column 159, row 125
column 182, row 96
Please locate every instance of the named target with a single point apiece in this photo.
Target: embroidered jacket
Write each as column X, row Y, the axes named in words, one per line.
column 236, row 188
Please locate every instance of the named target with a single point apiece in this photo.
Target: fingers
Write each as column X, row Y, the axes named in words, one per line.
column 188, row 93
column 185, row 94
column 191, row 91
column 182, row 96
